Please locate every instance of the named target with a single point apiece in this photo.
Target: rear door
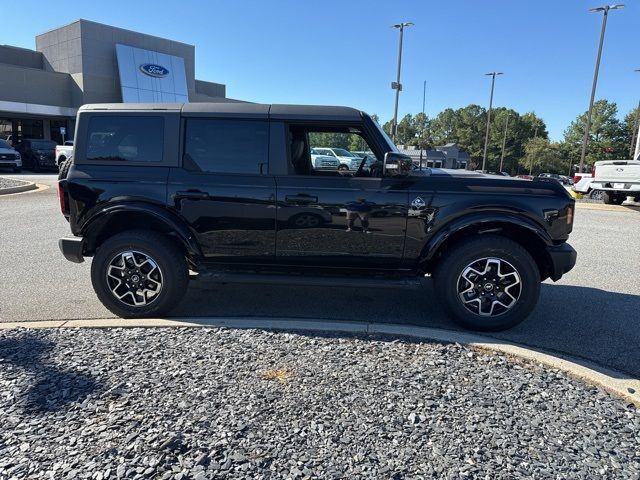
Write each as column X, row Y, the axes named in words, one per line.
column 223, row 189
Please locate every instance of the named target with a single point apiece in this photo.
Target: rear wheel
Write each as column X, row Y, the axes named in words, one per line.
column 596, row 194
column 490, row 283
column 612, row 198
column 139, row 274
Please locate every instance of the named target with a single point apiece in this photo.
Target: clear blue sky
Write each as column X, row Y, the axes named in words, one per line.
column 344, row 52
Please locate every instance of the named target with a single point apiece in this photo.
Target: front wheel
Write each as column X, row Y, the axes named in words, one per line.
column 139, row 274
column 489, row 283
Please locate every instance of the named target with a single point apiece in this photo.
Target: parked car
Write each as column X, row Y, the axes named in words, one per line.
column 63, row 152
column 584, row 185
column 559, row 178
column 615, row 180
column 346, row 159
column 37, row 154
column 221, row 190
column 9, row 157
column 323, row 162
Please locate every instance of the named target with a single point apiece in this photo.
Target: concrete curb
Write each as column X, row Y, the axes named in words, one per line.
column 18, row 189
column 610, row 208
column 614, row 382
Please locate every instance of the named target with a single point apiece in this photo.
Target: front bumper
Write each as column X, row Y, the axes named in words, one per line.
column 72, row 249
column 563, row 258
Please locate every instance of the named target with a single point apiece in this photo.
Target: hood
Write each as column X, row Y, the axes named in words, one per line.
column 7, row 150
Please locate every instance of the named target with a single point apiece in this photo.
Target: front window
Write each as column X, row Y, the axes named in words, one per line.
column 4, row 144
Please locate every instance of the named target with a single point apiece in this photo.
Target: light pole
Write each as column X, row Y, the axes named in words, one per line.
column 504, row 140
column 424, row 96
column 587, row 127
column 397, row 86
column 486, row 138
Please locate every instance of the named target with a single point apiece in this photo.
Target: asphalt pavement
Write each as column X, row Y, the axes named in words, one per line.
column 590, row 313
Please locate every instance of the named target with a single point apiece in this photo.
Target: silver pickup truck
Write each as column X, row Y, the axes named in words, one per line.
column 617, row 179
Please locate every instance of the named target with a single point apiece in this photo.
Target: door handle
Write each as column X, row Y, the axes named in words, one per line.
column 301, row 198
column 192, row 195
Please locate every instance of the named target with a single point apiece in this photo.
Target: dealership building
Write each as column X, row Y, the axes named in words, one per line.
column 88, row 62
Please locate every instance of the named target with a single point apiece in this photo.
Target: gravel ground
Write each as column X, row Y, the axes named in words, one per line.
column 10, row 182
column 214, row 403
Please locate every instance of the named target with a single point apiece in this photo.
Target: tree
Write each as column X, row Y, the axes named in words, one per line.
column 606, row 138
column 541, row 155
column 630, row 127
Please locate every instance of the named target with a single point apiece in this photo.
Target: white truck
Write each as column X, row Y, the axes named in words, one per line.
column 63, row 152
column 617, row 180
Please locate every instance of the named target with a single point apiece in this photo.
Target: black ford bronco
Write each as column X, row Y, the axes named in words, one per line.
column 161, row 193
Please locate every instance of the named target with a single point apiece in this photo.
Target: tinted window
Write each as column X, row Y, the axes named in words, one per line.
column 43, row 145
column 226, row 146
column 4, row 144
column 125, row 138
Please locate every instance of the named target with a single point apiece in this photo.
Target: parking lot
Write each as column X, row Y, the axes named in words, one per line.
column 591, row 313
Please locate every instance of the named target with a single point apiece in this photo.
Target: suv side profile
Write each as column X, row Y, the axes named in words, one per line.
column 156, row 191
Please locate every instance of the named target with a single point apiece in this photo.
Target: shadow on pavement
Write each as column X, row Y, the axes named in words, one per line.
column 45, row 387
column 587, row 323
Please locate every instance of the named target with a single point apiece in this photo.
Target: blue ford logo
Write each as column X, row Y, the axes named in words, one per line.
column 154, row 70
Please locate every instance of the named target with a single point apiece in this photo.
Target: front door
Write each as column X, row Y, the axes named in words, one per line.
column 332, row 218
column 222, row 190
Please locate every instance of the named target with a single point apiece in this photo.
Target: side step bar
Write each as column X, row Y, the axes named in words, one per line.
column 311, row 281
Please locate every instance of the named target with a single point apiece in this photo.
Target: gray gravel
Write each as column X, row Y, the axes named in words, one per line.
column 214, row 403
column 10, row 182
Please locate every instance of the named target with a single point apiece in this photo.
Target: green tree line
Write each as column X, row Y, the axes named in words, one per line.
column 527, row 145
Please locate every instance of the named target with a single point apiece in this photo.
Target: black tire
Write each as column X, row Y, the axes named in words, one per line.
column 170, row 261
column 448, row 282
column 36, row 165
column 612, row 198
column 64, row 169
column 618, row 199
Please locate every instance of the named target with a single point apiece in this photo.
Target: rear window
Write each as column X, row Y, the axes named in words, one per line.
column 226, row 146
column 125, row 138
column 43, row 145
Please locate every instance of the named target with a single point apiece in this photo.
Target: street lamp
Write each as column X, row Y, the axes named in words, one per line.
column 504, row 140
column 587, row 128
column 397, row 86
column 486, row 138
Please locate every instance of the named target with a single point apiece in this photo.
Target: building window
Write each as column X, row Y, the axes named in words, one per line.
column 226, row 146
column 125, row 138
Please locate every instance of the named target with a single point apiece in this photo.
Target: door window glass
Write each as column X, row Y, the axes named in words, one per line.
column 331, row 152
column 226, row 146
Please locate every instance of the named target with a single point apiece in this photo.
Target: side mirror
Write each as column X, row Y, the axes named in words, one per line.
column 396, row 164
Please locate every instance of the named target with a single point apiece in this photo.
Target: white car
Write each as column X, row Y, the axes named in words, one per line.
column 346, row 159
column 9, row 157
column 323, row 162
column 63, row 152
column 583, row 185
column 617, row 180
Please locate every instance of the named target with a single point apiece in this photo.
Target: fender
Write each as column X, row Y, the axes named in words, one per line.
column 478, row 219
column 173, row 222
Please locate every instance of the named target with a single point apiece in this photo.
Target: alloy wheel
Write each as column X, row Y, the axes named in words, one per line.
column 489, row 286
column 134, row 278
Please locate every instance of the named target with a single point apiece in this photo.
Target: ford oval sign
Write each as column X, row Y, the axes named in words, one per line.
column 154, row 70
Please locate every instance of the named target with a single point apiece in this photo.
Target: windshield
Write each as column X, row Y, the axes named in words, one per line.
column 341, row 152
column 386, row 137
column 4, row 144
column 43, row 145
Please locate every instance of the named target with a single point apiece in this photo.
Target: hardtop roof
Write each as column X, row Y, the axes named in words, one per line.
column 299, row 112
